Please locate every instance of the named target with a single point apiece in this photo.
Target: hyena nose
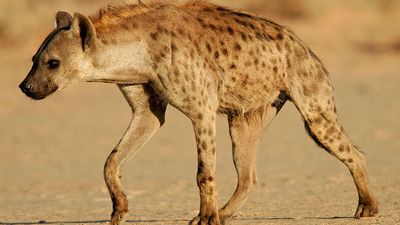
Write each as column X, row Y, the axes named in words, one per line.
column 25, row 87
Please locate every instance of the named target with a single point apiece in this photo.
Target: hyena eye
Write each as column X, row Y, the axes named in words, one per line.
column 53, row 64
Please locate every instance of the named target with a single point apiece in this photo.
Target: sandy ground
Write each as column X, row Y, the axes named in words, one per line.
column 53, row 152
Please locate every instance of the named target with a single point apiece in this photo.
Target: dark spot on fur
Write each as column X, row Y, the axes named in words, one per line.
column 204, row 145
column 161, row 29
column 176, row 73
column 331, row 130
column 233, row 66
column 163, row 54
column 270, row 37
column 157, row 58
column 259, row 36
column 193, row 86
column 264, row 48
column 315, row 138
column 318, row 120
column 263, row 64
column 125, row 26
column 216, row 55
column 230, row 30
column 251, row 26
column 212, row 27
column 207, row 10
column 275, row 69
column 225, row 51
column 240, row 22
column 208, row 47
column 237, row 46
column 173, row 34
column 256, row 61
column 280, row 36
column 251, row 38
column 244, row 36
column 154, row 66
column 306, row 91
column 173, row 47
column 154, row 36
column 289, row 63
column 181, row 32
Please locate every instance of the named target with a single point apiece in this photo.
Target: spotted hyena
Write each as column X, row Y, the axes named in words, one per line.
column 202, row 59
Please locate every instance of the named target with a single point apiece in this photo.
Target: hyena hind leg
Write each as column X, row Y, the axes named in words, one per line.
column 323, row 126
column 246, row 133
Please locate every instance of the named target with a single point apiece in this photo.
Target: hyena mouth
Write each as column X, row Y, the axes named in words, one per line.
column 37, row 95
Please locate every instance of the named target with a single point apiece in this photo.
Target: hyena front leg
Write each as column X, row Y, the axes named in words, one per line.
column 246, row 133
column 204, row 129
column 148, row 116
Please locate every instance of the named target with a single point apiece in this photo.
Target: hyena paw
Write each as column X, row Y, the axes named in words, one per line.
column 205, row 220
column 118, row 218
column 367, row 209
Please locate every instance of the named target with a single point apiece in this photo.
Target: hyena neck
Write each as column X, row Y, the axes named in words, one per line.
column 120, row 62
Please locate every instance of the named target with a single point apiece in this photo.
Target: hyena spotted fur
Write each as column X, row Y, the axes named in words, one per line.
column 202, row 59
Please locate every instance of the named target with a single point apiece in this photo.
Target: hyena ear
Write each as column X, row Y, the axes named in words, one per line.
column 85, row 30
column 63, row 20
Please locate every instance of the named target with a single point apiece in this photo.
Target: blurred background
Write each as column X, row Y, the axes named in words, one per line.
column 52, row 152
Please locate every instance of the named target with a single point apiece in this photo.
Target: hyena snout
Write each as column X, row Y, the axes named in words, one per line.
column 25, row 88
column 37, row 91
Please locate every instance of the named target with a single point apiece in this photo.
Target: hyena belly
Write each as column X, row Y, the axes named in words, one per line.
column 253, row 78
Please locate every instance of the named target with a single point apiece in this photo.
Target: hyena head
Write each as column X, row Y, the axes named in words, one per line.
column 62, row 58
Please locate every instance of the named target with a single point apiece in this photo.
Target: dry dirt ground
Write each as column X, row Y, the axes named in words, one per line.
column 52, row 152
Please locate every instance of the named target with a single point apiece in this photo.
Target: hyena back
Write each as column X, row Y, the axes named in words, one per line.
column 202, row 59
